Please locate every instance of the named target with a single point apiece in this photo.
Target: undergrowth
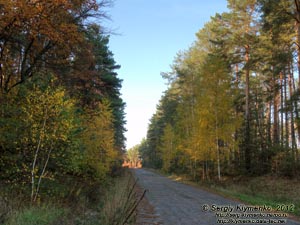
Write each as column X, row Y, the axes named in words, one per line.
column 113, row 205
column 120, row 202
column 264, row 190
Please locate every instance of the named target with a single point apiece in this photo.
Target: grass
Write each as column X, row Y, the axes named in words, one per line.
column 265, row 190
column 37, row 216
column 113, row 205
column 120, row 202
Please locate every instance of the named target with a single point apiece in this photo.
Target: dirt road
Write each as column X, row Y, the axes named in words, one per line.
column 176, row 203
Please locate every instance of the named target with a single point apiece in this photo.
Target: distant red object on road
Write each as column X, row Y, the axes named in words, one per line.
column 129, row 164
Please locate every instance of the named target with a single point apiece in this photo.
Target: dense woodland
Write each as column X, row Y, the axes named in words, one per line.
column 61, row 114
column 232, row 105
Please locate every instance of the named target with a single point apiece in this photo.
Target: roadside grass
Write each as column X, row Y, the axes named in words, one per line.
column 282, row 194
column 114, row 204
column 120, row 202
column 278, row 192
column 37, row 216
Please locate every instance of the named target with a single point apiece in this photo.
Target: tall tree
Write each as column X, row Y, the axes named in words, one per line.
column 34, row 34
column 133, row 155
column 241, row 22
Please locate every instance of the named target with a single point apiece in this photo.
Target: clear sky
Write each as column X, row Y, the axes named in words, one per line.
column 150, row 34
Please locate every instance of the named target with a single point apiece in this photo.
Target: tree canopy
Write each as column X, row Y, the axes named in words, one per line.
column 61, row 112
column 232, row 106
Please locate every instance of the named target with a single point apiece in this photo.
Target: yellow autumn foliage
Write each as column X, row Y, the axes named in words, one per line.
column 98, row 139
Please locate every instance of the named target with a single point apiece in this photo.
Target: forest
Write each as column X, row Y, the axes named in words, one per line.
column 231, row 108
column 232, row 104
column 62, row 118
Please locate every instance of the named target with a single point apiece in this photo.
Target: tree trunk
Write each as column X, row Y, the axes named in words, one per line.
column 297, row 121
column 281, row 110
column 286, row 113
column 247, row 114
column 268, row 118
column 36, row 156
column 217, row 146
column 42, row 174
column 275, row 112
column 293, row 137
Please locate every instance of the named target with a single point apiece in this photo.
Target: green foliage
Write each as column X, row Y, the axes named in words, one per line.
column 92, row 78
column 144, row 152
column 98, row 140
column 61, row 111
column 217, row 119
column 44, row 120
column 231, row 106
column 133, row 155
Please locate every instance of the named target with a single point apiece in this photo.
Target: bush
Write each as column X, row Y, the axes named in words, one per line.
column 283, row 164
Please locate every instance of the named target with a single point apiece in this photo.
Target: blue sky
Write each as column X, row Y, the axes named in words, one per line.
column 149, row 35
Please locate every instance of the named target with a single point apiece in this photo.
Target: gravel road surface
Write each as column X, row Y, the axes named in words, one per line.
column 176, row 203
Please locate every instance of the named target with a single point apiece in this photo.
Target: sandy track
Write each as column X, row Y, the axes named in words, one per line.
column 176, row 203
